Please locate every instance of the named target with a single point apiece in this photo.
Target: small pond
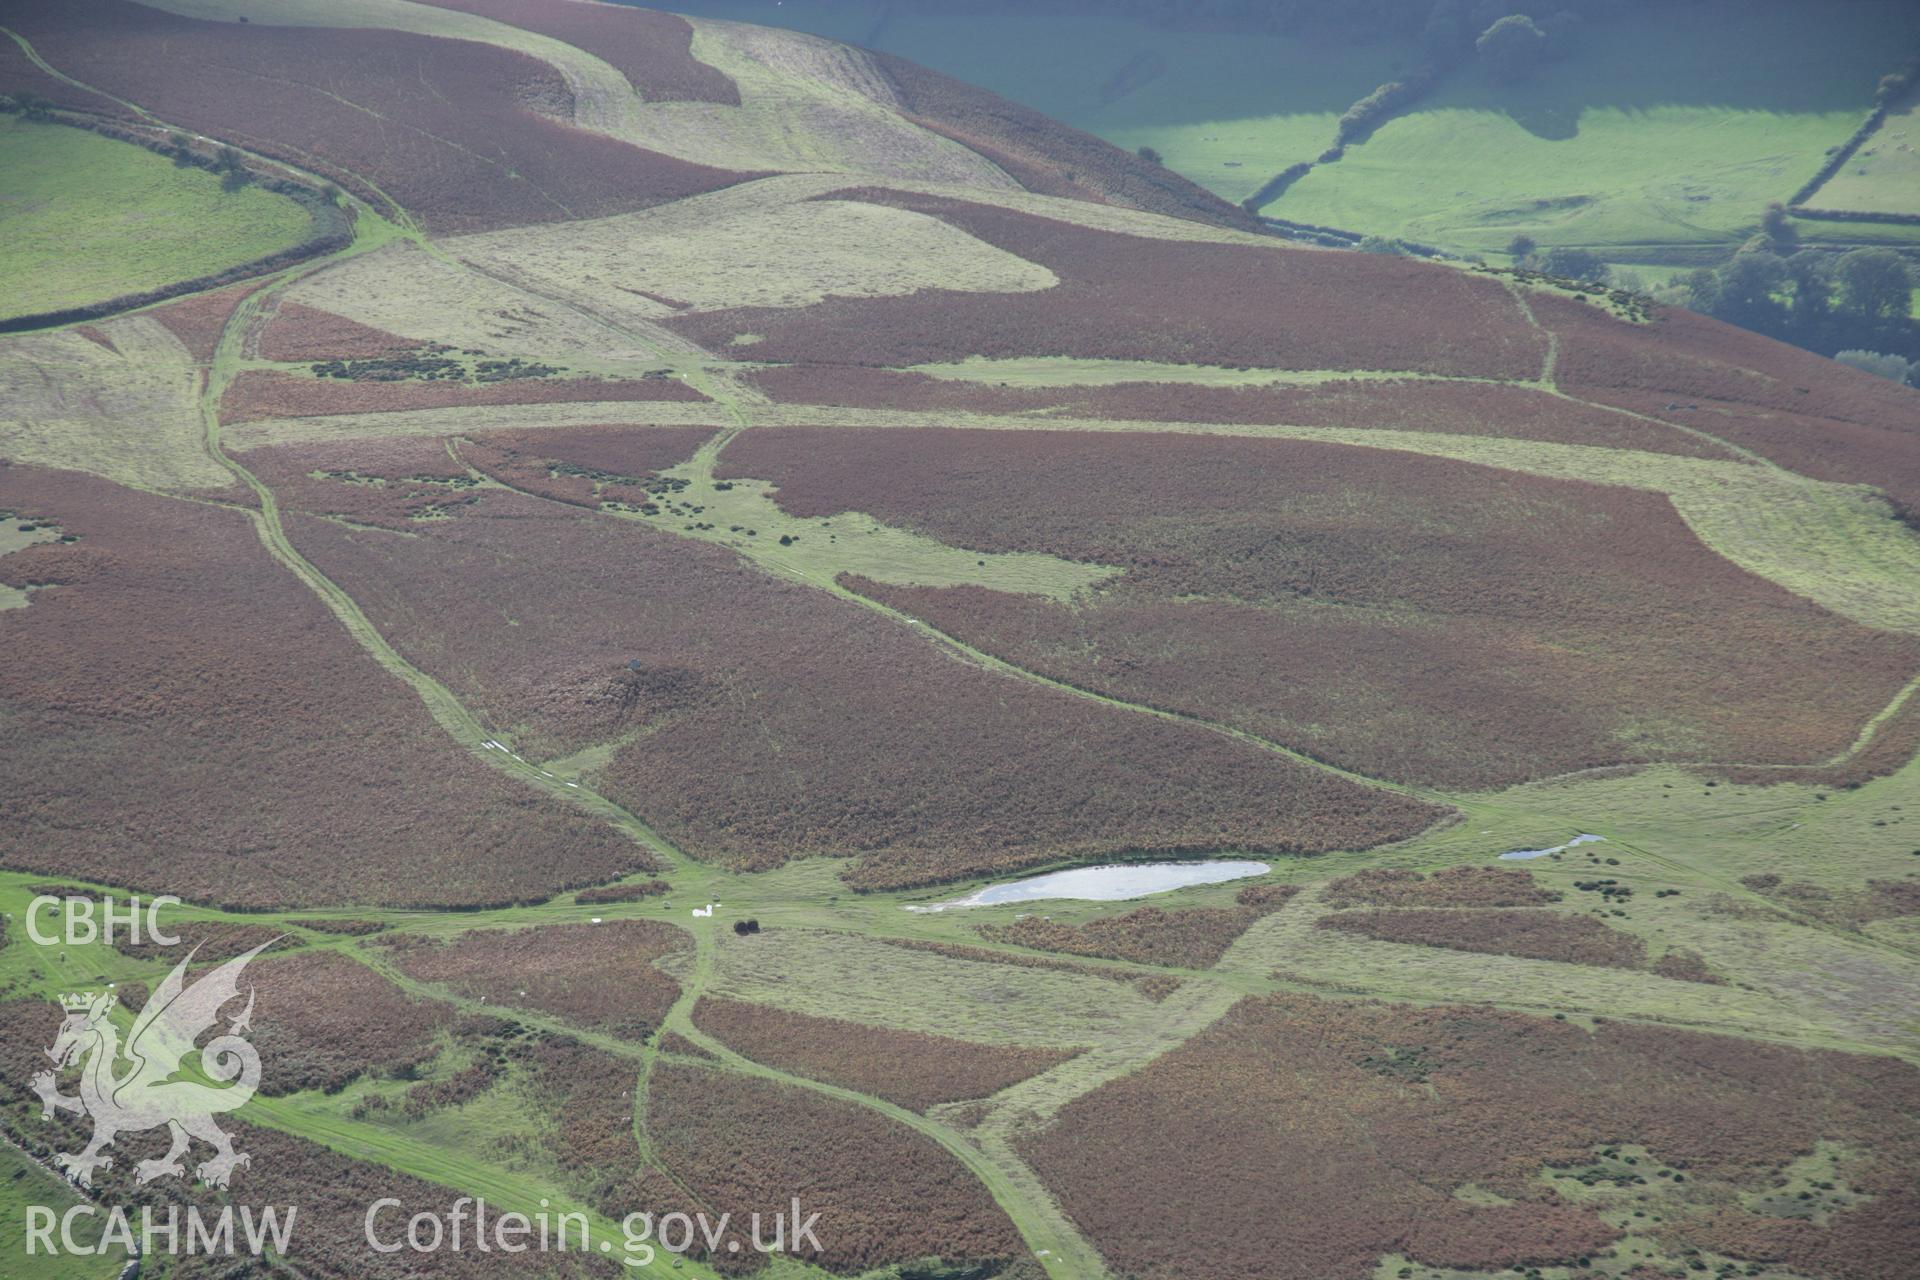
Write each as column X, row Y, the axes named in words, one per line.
column 1523, row 855
column 1106, row 884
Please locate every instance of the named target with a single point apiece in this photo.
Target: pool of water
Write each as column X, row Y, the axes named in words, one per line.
column 1523, row 855
column 1106, row 884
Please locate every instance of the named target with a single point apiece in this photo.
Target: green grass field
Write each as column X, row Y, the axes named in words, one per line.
column 84, row 218
column 24, row 1184
column 1642, row 150
column 1659, row 151
column 1884, row 174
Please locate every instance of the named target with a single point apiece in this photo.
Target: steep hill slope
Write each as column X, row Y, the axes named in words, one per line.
column 743, row 474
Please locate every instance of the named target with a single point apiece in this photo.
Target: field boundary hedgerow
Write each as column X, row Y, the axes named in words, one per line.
column 329, row 229
column 393, row 210
column 1884, row 102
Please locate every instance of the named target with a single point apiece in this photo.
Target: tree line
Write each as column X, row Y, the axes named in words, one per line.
column 1858, row 302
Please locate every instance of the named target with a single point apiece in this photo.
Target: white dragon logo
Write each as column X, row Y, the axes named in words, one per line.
column 160, row 1088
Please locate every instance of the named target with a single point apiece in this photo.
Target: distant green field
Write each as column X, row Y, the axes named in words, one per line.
column 1647, row 150
column 85, row 218
column 1884, row 175
column 1639, row 149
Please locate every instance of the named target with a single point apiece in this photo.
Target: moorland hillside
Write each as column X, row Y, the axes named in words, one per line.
column 686, row 464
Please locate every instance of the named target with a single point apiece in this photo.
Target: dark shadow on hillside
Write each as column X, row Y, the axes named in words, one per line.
column 1772, row 55
column 1555, row 122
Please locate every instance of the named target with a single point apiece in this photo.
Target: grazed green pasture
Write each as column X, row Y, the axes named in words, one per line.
column 84, row 218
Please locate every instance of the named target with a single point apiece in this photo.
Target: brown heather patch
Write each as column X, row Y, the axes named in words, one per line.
column 1155, row 987
column 353, row 928
column 389, row 482
column 1428, row 621
column 170, row 657
column 299, row 332
column 907, row 1068
column 1874, row 1242
column 745, row 687
column 324, row 1019
column 1849, row 908
column 1489, row 1237
column 333, row 1193
column 1045, row 156
column 441, row 126
column 1687, row 966
column 1532, row 935
column 265, row 393
column 1449, row 887
column 198, row 321
column 674, row 1042
column 622, row 892
column 584, row 466
column 1233, row 305
column 653, row 50
column 600, row 976
column 1355, row 1149
column 1891, row 748
column 19, row 73
column 1194, row 938
column 589, row 1094
column 456, row 1090
column 1450, row 408
column 888, row 1194
column 209, row 941
column 1790, row 406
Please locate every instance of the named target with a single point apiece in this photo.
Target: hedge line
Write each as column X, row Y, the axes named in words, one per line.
column 1840, row 157
column 329, row 230
column 1891, row 87
column 1356, row 125
column 1852, row 215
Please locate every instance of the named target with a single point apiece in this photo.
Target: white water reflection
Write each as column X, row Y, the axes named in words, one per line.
column 1106, row 884
column 1523, row 855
